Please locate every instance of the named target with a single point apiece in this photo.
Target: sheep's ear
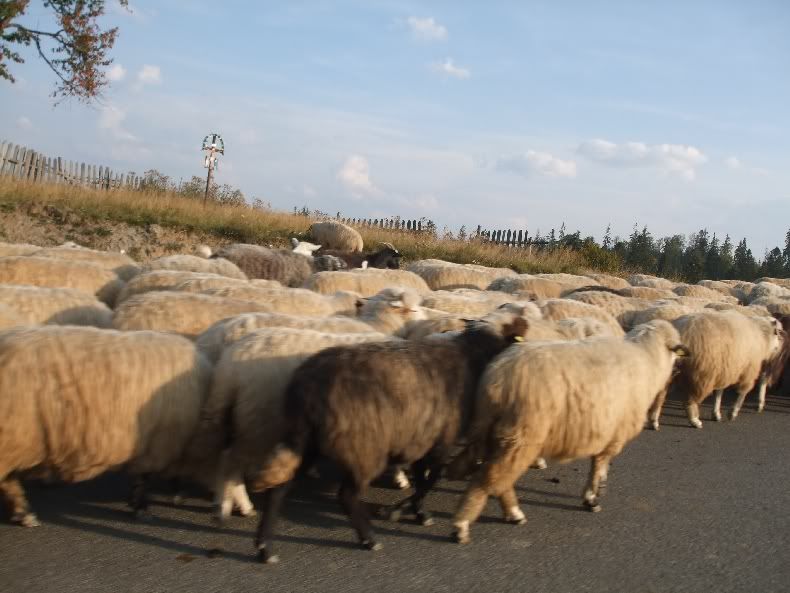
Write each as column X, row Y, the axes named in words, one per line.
column 294, row 242
column 516, row 330
column 681, row 351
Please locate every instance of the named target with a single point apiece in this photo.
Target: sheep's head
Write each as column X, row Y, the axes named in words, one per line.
column 303, row 247
column 507, row 324
column 386, row 257
column 402, row 303
column 665, row 332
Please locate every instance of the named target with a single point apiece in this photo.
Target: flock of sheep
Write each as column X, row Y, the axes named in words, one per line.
column 240, row 367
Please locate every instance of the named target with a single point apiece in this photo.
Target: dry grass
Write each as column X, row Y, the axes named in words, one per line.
column 263, row 227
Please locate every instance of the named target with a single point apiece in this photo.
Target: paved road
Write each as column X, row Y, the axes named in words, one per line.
column 686, row 510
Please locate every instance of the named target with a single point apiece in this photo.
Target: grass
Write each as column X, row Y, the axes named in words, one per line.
column 247, row 225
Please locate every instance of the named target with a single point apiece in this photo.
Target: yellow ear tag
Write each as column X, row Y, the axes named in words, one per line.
column 519, row 339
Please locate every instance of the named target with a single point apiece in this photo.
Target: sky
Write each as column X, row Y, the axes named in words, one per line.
column 519, row 114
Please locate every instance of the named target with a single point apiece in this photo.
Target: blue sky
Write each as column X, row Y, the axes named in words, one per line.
column 505, row 114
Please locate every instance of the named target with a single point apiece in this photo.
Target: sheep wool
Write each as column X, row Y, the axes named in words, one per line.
column 193, row 263
column 36, row 305
column 12, row 249
column 444, row 275
column 121, row 264
column 79, row 401
column 60, row 273
column 365, row 282
column 173, row 280
column 287, row 267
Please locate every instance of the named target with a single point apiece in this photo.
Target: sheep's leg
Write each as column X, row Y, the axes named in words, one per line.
column 717, row 405
column 761, row 393
column 736, row 407
column 539, row 463
column 692, row 411
column 178, row 490
column 139, row 499
column 655, row 409
column 508, row 500
column 242, row 500
column 356, row 511
column 400, row 479
column 427, row 472
column 273, row 501
column 14, row 495
column 599, row 469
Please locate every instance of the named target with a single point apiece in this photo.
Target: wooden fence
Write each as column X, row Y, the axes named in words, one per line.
column 24, row 163
column 395, row 223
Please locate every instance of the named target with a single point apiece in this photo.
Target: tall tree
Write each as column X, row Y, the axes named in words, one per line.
column 607, row 238
column 641, row 251
column 76, row 52
column 744, row 266
column 725, row 257
column 713, row 268
column 773, row 264
column 786, row 253
column 670, row 263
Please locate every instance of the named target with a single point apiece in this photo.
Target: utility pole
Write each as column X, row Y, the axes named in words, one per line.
column 213, row 147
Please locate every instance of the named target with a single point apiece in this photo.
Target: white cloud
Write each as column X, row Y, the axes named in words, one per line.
column 355, row 175
column 24, row 122
column 672, row 158
column 116, row 73
column 534, row 162
column 427, row 29
column 149, row 74
column 732, row 163
column 447, row 68
column 111, row 120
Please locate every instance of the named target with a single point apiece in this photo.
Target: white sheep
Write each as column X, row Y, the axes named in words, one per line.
column 193, row 263
column 333, row 234
column 767, row 289
column 365, row 282
column 537, row 288
column 562, row 401
column 727, row 348
column 469, row 303
column 297, row 301
column 608, row 281
column 121, row 264
column 61, row 273
column 702, row 292
column 36, row 305
column 247, row 395
column 648, row 281
column 184, row 313
column 444, row 275
column 78, row 401
column 556, row 309
column 172, row 279
column 303, row 247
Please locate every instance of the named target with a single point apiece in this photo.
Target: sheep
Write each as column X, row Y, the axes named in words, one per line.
column 767, row 289
column 569, row 280
column 78, row 401
column 121, row 264
column 303, row 247
column 537, row 288
column 171, row 280
column 287, row 267
column 333, row 234
column 9, row 317
column 556, row 309
column 666, row 311
column 782, row 282
column 385, row 257
column 60, row 273
column 473, row 303
column 608, row 281
column 563, row 401
column 184, row 313
column 366, row 405
column 61, row 306
column 648, row 281
column 444, row 275
column 751, row 310
column 647, row 292
column 194, row 263
column 702, row 292
column 246, row 401
column 12, row 249
column 364, row 282
column 298, row 301
column 727, row 349
column 724, row 288
column 618, row 306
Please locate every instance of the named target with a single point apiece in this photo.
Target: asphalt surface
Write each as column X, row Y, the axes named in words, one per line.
column 685, row 510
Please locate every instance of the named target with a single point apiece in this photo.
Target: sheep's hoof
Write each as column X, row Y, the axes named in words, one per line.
column 424, row 518
column 540, row 463
column 26, row 520
column 732, row 416
column 247, row 512
column 715, row 417
column 371, row 545
column 460, row 537
column 401, row 481
column 516, row 520
column 760, row 409
column 266, row 557
column 593, row 507
column 696, row 423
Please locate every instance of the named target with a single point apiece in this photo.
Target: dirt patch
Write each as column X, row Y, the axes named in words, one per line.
column 49, row 226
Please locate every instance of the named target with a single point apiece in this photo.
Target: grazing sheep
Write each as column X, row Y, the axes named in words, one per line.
column 767, row 289
column 247, row 400
column 77, row 401
column 647, row 292
column 60, row 273
column 562, row 401
column 620, row 307
column 702, row 292
column 444, row 275
column 727, row 349
column 193, row 263
column 170, row 280
column 367, row 405
column 36, row 305
column 556, row 309
column 332, row 234
column 473, row 303
column 648, row 281
column 782, row 282
column 385, row 257
column 298, row 301
column 12, row 249
column 569, row 280
column 184, row 313
column 666, row 311
column 722, row 287
column 364, row 282
column 287, row 267
column 121, row 264
column 751, row 310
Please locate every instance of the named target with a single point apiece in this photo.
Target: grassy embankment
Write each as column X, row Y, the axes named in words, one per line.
column 239, row 224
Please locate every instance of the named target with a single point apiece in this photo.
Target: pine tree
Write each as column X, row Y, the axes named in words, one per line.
column 725, row 257
column 561, row 234
column 787, row 253
column 713, row 269
column 744, row 266
column 607, row 238
column 773, row 264
column 670, row 263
